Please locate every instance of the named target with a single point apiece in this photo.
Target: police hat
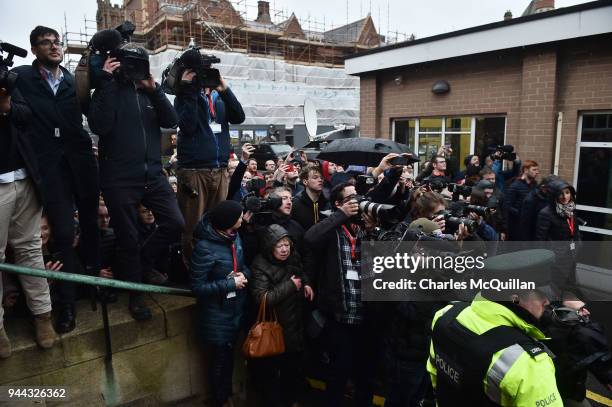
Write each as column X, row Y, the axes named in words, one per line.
column 528, row 266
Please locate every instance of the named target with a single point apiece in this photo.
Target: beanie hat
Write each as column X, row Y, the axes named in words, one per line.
column 225, row 214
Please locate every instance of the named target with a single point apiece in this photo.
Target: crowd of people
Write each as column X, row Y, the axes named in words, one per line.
column 288, row 232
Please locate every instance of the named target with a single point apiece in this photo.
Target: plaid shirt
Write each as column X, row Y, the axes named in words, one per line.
column 353, row 306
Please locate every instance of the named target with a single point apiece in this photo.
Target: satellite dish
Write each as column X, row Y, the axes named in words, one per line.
column 310, row 117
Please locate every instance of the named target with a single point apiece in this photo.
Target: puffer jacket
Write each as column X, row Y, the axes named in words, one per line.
column 218, row 318
column 273, row 277
column 550, row 226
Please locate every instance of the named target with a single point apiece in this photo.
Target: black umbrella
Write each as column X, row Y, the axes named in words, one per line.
column 362, row 151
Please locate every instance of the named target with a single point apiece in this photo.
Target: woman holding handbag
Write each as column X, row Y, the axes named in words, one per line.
column 219, row 279
column 278, row 279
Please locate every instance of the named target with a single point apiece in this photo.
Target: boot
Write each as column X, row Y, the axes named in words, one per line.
column 138, row 308
column 5, row 344
column 45, row 334
column 66, row 319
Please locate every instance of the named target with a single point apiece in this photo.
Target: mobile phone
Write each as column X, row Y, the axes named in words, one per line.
column 290, row 168
column 399, row 160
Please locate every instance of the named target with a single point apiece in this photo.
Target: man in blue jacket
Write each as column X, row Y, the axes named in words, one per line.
column 69, row 174
column 204, row 116
column 127, row 115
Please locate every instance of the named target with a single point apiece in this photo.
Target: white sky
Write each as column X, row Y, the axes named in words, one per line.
column 421, row 17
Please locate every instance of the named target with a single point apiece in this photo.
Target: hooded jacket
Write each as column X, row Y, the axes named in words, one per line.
column 128, row 121
column 549, row 225
column 218, row 318
column 273, row 277
column 305, row 211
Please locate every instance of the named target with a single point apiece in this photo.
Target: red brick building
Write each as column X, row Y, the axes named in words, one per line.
column 541, row 82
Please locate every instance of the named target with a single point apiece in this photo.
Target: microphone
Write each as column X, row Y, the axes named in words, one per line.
column 12, row 49
column 106, row 40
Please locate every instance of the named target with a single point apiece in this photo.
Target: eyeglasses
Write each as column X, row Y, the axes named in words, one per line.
column 48, row 43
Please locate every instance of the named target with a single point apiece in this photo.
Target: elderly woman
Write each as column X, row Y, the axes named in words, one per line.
column 278, row 277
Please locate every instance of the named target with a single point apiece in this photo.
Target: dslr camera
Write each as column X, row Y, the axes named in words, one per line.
column 459, row 190
column 453, row 220
column 206, row 76
column 505, row 152
column 8, row 79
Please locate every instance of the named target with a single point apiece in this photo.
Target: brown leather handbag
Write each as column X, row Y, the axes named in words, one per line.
column 265, row 337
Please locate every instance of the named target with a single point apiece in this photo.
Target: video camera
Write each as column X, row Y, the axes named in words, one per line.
column 459, row 190
column 8, row 79
column 111, row 44
column 252, row 202
column 505, row 152
column 206, row 77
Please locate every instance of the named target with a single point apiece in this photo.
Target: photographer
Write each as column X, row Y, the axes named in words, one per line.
column 20, row 213
column 204, row 116
column 514, row 196
column 501, row 175
column 63, row 149
column 308, row 204
column 337, row 239
column 127, row 115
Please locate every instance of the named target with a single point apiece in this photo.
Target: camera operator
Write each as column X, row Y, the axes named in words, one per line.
column 337, row 239
column 580, row 346
column 497, row 165
column 69, row 172
column 514, row 196
column 255, row 224
column 20, row 213
column 203, row 149
column 127, row 115
column 308, row 204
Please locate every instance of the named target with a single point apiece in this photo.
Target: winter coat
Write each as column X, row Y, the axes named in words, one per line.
column 60, row 143
column 514, row 196
column 551, row 227
column 273, row 277
column 218, row 318
column 198, row 146
column 305, row 211
column 501, row 176
column 128, row 121
column 532, row 205
column 324, row 240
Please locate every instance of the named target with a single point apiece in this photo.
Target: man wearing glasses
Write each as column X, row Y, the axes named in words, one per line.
column 63, row 149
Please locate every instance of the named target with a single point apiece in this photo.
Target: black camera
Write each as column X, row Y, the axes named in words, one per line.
column 403, row 160
column 8, row 79
column 478, row 210
column 453, row 221
column 505, row 152
column 459, row 190
column 363, row 183
column 255, row 185
column 252, row 202
column 377, row 211
column 205, row 76
column 437, row 184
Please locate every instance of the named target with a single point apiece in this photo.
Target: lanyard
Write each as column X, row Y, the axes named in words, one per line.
column 352, row 240
column 570, row 224
column 234, row 258
column 211, row 105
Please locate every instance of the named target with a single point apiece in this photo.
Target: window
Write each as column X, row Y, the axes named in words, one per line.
column 465, row 135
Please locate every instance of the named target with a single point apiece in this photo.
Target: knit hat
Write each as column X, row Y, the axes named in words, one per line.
column 225, row 214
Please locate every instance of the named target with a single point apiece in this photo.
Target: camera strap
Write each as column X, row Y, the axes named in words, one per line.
column 570, row 224
column 352, row 241
column 234, row 258
column 211, row 105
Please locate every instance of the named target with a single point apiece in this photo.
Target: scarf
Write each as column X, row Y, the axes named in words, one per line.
column 565, row 210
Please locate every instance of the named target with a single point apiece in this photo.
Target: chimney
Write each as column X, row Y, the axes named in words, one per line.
column 263, row 12
column 540, row 6
column 508, row 15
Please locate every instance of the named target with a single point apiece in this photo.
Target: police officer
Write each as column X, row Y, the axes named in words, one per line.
column 487, row 353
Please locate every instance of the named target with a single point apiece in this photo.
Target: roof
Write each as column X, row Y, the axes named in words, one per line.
column 346, row 33
column 564, row 23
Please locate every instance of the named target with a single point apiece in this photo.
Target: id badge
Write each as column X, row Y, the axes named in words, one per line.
column 352, row 275
column 573, row 246
column 57, row 132
column 215, row 127
column 231, row 294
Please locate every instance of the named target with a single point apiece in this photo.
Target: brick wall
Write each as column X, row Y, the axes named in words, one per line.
column 528, row 86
